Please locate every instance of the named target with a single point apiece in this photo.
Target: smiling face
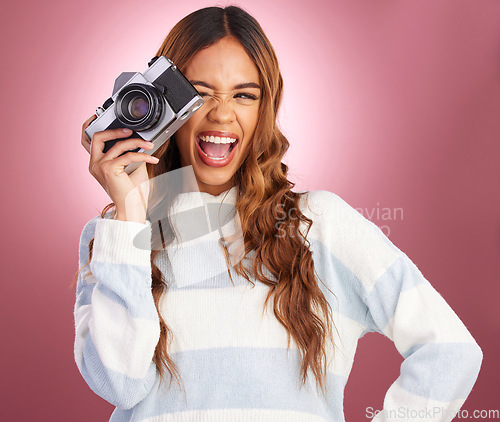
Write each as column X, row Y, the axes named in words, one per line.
column 216, row 139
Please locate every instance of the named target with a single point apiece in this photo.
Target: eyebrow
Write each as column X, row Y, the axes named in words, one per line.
column 239, row 86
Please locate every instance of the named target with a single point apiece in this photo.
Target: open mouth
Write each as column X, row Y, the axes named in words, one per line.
column 217, row 147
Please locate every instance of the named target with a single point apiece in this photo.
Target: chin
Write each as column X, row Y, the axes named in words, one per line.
column 215, row 180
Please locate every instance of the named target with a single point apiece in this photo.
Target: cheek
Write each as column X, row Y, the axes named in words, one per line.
column 249, row 119
column 188, row 130
column 183, row 133
column 182, row 136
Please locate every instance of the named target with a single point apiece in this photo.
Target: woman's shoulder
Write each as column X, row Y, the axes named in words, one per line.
column 333, row 215
column 324, row 204
column 346, row 233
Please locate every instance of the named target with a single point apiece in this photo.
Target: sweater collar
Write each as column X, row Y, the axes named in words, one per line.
column 200, row 221
column 186, row 201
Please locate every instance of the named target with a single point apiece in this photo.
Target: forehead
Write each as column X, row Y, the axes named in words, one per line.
column 224, row 65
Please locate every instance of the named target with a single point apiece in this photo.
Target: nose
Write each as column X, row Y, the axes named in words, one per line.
column 222, row 112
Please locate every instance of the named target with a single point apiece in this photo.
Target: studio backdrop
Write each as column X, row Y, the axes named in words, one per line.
column 393, row 105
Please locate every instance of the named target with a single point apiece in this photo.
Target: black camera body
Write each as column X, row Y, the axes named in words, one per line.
column 153, row 105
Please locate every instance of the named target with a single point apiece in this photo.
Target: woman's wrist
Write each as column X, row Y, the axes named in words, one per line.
column 137, row 216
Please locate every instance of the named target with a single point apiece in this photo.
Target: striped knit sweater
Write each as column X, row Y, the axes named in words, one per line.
column 232, row 356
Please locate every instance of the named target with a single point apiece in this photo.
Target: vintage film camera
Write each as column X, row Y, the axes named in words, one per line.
column 154, row 105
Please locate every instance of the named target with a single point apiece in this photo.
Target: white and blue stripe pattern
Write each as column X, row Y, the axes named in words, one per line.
column 231, row 352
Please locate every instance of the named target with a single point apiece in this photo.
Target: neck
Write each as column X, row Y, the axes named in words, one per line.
column 215, row 190
column 191, row 184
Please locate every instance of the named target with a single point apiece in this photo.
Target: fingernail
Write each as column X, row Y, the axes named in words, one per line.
column 126, row 130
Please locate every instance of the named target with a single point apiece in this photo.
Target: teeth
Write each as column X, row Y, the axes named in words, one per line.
column 217, row 139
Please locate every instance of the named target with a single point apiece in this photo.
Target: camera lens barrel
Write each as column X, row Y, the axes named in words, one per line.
column 139, row 106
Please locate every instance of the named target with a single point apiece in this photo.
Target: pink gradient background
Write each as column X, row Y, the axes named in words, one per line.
column 388, row 103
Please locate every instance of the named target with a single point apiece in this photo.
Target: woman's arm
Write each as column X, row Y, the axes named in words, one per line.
column 442, row 360
column 116, row 322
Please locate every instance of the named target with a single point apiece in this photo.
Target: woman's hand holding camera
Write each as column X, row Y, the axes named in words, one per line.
column 128, row 192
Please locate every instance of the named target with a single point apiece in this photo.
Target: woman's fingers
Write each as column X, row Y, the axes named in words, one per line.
column 99, row 138
column 129, row 193
column 127, row 145
column 85, row 139
column 131, row 157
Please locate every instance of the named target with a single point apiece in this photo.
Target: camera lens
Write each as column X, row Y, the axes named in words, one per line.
column 139, row 106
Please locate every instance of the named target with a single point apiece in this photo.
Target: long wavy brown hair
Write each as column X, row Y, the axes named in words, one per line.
column 264, row 196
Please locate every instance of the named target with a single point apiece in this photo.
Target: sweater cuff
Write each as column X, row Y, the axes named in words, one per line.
column 122, row 242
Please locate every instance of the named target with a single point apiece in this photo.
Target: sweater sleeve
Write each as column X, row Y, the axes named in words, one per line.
column 116, row 322
column 441, row 358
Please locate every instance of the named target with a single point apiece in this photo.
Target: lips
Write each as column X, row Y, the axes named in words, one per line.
column 229, row 139
column 219, row 134
column 215, row 161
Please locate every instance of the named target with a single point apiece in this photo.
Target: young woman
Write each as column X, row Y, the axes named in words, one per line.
column 197, row 332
